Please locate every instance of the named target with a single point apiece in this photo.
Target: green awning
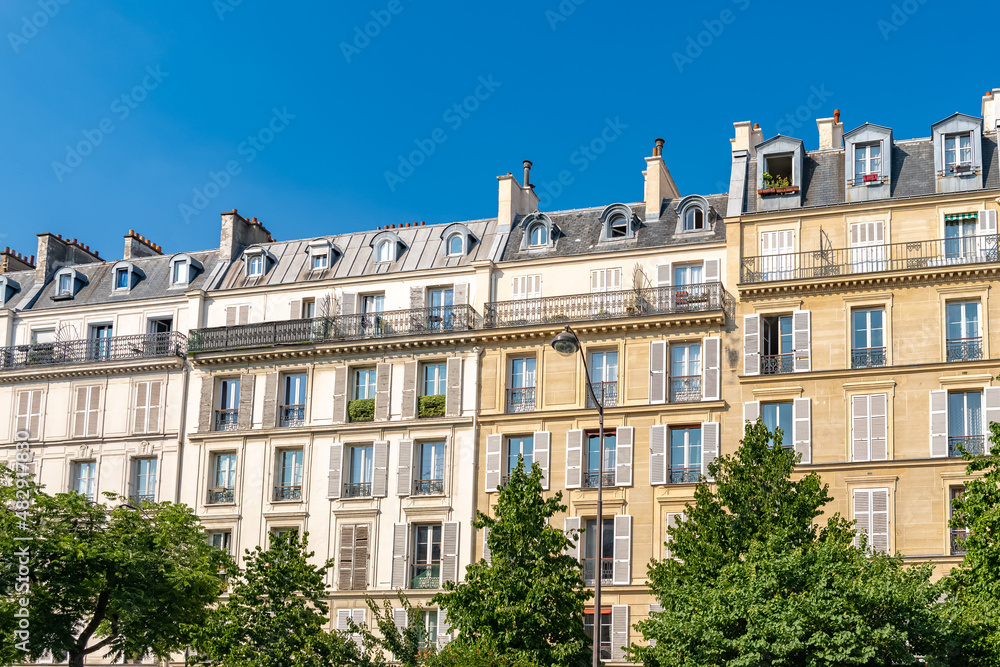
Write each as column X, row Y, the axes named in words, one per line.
column 960, row 216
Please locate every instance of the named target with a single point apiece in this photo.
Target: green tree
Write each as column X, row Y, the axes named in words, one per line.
column 109, row 578
column 753, row 580
column 408, row 647
column 526, row 605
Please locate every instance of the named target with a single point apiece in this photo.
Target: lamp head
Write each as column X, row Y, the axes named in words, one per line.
column 566, row 342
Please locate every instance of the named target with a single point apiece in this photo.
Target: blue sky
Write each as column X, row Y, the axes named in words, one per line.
column 157, row 116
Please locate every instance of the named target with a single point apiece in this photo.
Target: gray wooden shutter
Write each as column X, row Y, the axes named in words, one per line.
column 862, row 515
column 710, row 389
column 444, row 629
column 486, row 546
column 657, row 454
column 340, row 394
column 572, row 523
column 986, row 223
column 345, row 571
column 542, row 446
column 244, row 420
column 35, row 415
column 404, row 480
column 709, row 446
column 153, row 406
column 295, row 309
column 460, row 294
column 802, row 340
column 712, row 271
column 335, row 478
column 574, row 459
column 939, row 423
column 380, row 469
column 449, row 551
column 382, row 382
column 400, row 535
column 140, row 414
column 244, row 314
column 80, row 412
column 879, row 427
column 991, row 409
column 622, row 570
column 663, row 275
column 880, row 520
column 22, row 420
column 453, row 397
column 657, row 371
column 93, row 410
column 802, row 427
column 409, row 407
column 399, row 619
column 361, row 548
column 751, row 344
column 417, row 297
column 673, row 519
column 619, row 631
column 494, row 446
column 751, row 411
column 342, row 616
column 231, row 316
column 348, row 303
column 206, row 408
column 624, row 444
column 269, row 416
column 860, row 436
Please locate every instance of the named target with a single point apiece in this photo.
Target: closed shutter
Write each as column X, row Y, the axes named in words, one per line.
column 597, row 281
column 519, row 288
column 572, row 523
column 712, row 274
column 802, row 340
column 348, row 303
column 860, row 425
column 416, row 298
column 622, row 572
column 404, row 480
column 231, row 316
column 400, row 534
column 382, row 380
column 409, row 407
column 879, row 427
column 619, row 631
column 380, row 469
column 244, row 315
column 340, row 394
column 460, row 294
column 80, row 412
column 269, row 415
column 654, row 609
column 574, row 459
column 542, row 446
column 206, row 408
column 802, row 427
column 449, row 551
column 534, row 286
column 345, row 571
column 399, row 619
column 362, row 542
column 140, row 409
column 93, row 410
column 334, row 480
column 991, row 410
column 245, row 417
column 710, row 383
column 663, row 275
column 862, row 515
column 153, row 407
column 624, row 439
column 709, row 447
column 657, row 372
column 453, row 398
column 871, row 514
column 614, row 280
column 673, row 520
column 494, row 456
column 751, row 411
column 295, row 309
column 751, row 344
column 486, row 546
column 444, row 629
column 657, row 455
column 939, row 423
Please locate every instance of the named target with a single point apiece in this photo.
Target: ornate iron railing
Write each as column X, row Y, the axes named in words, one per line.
column 227, row 420
column 357, row 490
column 590, row 479
column 868, row 357
column 589, row 566
column 292, row 415
column 958, row 537
column 94, row 350
column 288, row 493
column 773, row 364
column 425, row 575
column 685, row 389
column 143, row 497
column 830, row 262
column 426, row 487
column 684, row 475
column 606, row 392
column 964, row 349
column 973, row 444
column 216, row 496
column 521, row 399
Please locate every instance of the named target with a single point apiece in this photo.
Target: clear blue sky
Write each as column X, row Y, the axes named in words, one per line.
column 200, row 76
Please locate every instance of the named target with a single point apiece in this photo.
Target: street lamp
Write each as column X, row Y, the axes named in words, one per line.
column 566, row 343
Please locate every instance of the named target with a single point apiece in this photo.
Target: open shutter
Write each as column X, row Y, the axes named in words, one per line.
column 663, row 275
column 802, row 427
column 862, row 515
column 153, row 407
column 416, row 298
column 860, row 422
column 460, row 294
column 710, row 384
column 802, row 340
column 244, row 315
column 269, row 416
column 751, row 411
column 712, row 274
column 939, row 423
column 295, row 309
column 751, row 344
column 494, row 447
column 880, row 520
column 453, row 397
column 336, row 465
column 879, row 427
column 622, row 572
column 206, row 407
column 657, row 371
column 572, row 523
column 574, row 459
column 400, row 534
column 80, row 412
column 542, row 445
column 409, row 407
column 93, row 409
column 449, row 551
column 345, row 570
column 404, row 480
column 382, row 373
column 709, row 447
column 140, row 408
column 380, row 469
column 991, row 410
column 340, row 394
column 673, row 519
column 986, row 229
column 361, row 543
column 444, row 629
column 486, row 546
column 348, row 303
column 244, row 419
column 657, row 455
column 619, row 631
column 624, row 439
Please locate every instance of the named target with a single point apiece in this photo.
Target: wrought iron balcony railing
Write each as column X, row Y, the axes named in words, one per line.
column 606, row 392
column 425, row 575
column 868, row 357
column 833, row 262
column 217, row 496
column 357, row 490
column 684, row 475
column 94, row 350
column 958, row 537
column 773, row 364
column 227, row 420
column 292, row 415
column 288, row 493
column 428, row 487
column 606, row 305
column 143, row 497
column 590, row 479
column 964, row 349
column 521, row 399
column 973, row 444
column 685, row 389
column 589, row 567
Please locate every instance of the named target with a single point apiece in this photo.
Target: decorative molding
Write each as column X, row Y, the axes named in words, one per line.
column 91, row 369
column 871, row 385
column 976, row 380
column 834, row 285
column 587, row 507
column 872, row 481
column 775, row 393
column 778, row 306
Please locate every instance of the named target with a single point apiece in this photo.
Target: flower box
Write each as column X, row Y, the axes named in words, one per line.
column 764, row 192
column 869, row 178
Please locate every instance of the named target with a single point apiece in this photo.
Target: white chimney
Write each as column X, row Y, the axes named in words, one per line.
column 831, row 132
column 514, row 200
column 990, row 110
column 659, row 184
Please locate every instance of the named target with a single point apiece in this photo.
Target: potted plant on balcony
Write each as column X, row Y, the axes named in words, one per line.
column 431, row 406
column 361, row 410
column 776, row 185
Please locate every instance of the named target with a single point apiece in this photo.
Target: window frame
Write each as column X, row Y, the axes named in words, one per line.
column 441, row 379
column 296, row 474
column 955, row 166
column 788, row 435
column 369, row 385
column 543, row 232
column 591, row 453
column 449, row 250
column 137, row 475
column 691, row 470
column 510, row 455
column 91, row 479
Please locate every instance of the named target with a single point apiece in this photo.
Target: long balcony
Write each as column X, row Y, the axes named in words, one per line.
column 833, row 262
column 94, row 350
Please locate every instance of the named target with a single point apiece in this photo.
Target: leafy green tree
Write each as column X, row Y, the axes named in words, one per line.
column 753, row 580
column 408, row 647
column 526, row 605
column 111, row 578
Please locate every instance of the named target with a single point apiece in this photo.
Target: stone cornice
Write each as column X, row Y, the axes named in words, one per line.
column 882, row 373
column 90, row 369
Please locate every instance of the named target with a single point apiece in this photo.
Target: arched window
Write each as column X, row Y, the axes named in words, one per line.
column 538, row 235
column 455, row 244
column 255, row 266
column 384, row 251
column 618, row 227
column 694, row 219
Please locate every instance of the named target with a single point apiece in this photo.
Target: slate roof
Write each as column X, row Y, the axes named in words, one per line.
column 25, row 281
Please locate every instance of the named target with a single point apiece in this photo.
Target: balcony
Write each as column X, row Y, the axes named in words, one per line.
column 606, row 393
column 685, row 389
column 521, row 399
column 288, row 493
column 143, row 497
column 425, row 575
column 357, row 490
column 605, row 305
column 964, row 349
column 684, row 475
column 428, row 487
column 292, row 415
column 868, row 357
column 973, row 444
column 227, row 420
column 834, row 262
column 958, row 537
column 96, row 350
column 220, row 496
column 774, row 364
column 590, row 479
column 589, row 567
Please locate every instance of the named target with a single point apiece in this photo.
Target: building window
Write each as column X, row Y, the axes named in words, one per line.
column 435, row 379
column 688, row 274
column 227, row 413
column 85, row 478
column 964, row 340
column 289, row 486
column 957, row 152
column 538, row 235
column 255, row 265
column 364, row 383
column 65, row 285
column 779, row 167
column 776, row 353
column 282, row 531
column 592, row 476
column 521, row 446
column 958, row 535
column 456, row 244
column 871, row 516
column 605, row 631
column 591, row 558
column 308, row 309
column 685, row 454
column 426, row 569
column 430, row 469
column 121, row 279
column 100, row 342
column 685, row 373
column 521, row 391
column 868, row 338
column 293, row 410
column 694, row 219
column 223, row 479
column 372, row 306
column 144, row 476
column 965, row 423
column 359, row 481
column 319, row 262
column 440, row 315
column 180, row 273
column 428, row 629
column 384, row 251
column 617, row 227
column 960, row 239
column 221, row 539
column 604, row 378
column 779, row 415
column 867, row 163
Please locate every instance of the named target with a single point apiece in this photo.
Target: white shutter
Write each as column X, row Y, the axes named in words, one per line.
column 453, row 395
column 657, row 455
column 710, row 383
column 380, row 469
column 494, row 447
column 879, row 427
column 340, row 394
column 711, row 271
column 880, row 520
column 619, row 631
column 542, row 445
column 751, row 344
column 622, row 571
column 342, row 616
column 862, row 515
column 574, row 459
column 400, row 535
column 991, row 410
column 404, row 479
column 802, row 339
column 231, row 316
column 399, row 619
column 663, row 275
column 624, row 442
column 709, row 446
column 334, row 479
column 153, row 407
column 572, row 523
column 614, row 280
column 486, row 546
column 534, row 286
column 802, row 428
column 348, row 303
column 597, row 283
column 244, row 314
column 295, row 309
column 986, row 229
column 751, row 411
column 673, row 519
column 444, row 629
column 140, row 416
column 939, row 423
column 653, row 609
column 449, row 551
column 657, row 372
column 518, row 287
column 860, row 424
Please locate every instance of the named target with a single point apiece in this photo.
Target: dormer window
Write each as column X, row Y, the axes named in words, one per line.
column 958, row 152
column 320, row 254
column 255, row 265
column 692, row 214
column 386, row 247
column 125, row 276
column 183, row 269
column 867, row 163
column 121, row 279
column 67, row 282
column 618, row 227
column 618, row 222
column 7, row 289
column 538, row 235
column 456, row 245
column 778, row 171
column 384, row 253
column 319, row 262
column 179, row 274
column 65, row 285
column 694, row 219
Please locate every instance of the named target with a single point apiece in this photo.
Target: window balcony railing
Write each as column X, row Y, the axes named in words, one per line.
column 868, row 357
column 589, row 567
column 428, row 487
column 221, row 495
column 288, row 493
column 832, row 262
column 606, row 393
column 143, row 497
column 964, row 349
column 958, row 537
column 425, row 575
column 973, row 444
column 292, row 415
column 521, row 399
column 590, row 479
column 774, row 364
column 227, row 420
column 357, row 490
column 685, row 389
column 114, row 348
column 685, row 474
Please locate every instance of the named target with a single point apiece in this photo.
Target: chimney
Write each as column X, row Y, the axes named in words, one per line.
column 137, row 245
column 659, row 184
column 239, row 233
column 527, row 173
column 15, row 261
column 55, row 252
column 831, row 132
column 748, row 135
column 990, row 110
column 513, row 199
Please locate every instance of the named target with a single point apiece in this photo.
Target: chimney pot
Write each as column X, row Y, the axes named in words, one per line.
column 6, row 248
column 836, row 115
column 527, row 172
column 234, row 210
column 756, row 126
column 421, row 222
column 658, row 149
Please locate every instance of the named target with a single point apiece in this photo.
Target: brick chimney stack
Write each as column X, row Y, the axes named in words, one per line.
column 137, row 245
column 239, row 233
column 15, row 261
column 55, row 252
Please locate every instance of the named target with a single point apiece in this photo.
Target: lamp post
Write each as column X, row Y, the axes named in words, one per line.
column 567, row 343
